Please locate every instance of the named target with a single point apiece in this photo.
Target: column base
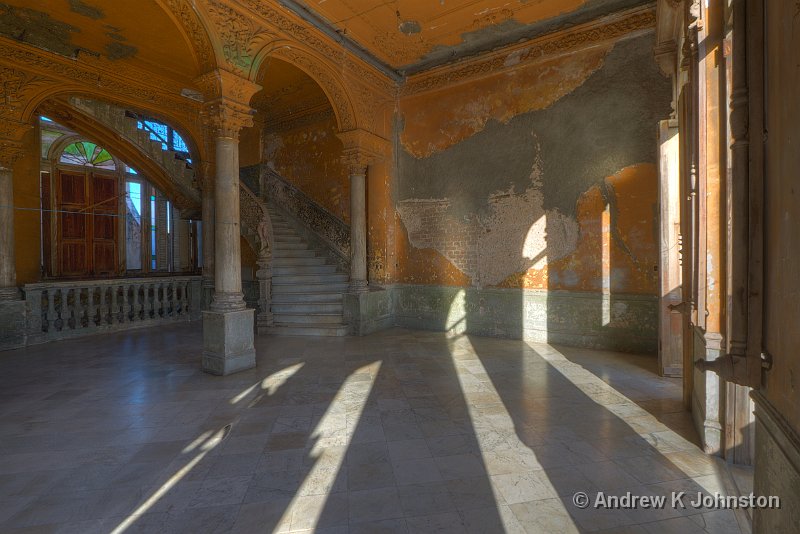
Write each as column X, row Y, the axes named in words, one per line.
column 12, row 324
column 358, row 286
column 228, row 342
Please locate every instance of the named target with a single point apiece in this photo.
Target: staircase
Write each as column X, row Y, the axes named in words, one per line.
column 306, row 289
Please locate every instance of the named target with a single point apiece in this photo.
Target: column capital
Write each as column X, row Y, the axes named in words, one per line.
column 227, row 102
column 361, row 149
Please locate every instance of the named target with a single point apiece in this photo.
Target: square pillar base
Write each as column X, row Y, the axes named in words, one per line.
column 228, row 342
column 12, row 324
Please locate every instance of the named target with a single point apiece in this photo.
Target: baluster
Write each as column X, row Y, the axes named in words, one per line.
column 62, row 318
column 176, row 303
column 51, row 310
column 157, row 301
column 33, row 302
column 91, row 307
column 165, row 300
column 180, row 300
column 77, row 316
column 103, row 318
column 134, row 302
column 113, row 313
column 147, row 302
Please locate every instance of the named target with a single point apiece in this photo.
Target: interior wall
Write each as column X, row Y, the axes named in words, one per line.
column 27, row 231
column 308, row 155
column 539, row 179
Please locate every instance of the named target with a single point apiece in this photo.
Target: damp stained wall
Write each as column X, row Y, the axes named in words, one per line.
column 309, row 157
column 538, row 177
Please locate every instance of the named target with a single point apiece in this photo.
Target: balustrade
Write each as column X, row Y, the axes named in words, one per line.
column 57, row 310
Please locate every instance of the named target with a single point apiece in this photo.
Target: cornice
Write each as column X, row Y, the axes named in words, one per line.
column 606, row 29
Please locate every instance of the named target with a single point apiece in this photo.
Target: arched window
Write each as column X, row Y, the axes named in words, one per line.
column 87, row 154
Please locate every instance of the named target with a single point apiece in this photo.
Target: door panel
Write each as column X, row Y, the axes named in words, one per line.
column 73, row 233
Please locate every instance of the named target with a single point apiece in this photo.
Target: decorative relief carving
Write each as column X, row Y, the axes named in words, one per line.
column 224, row 118
column 10, row 152
column 532, row 51
column 362, row 148
column 239, row 35
column 17, row 87
column 402, row 48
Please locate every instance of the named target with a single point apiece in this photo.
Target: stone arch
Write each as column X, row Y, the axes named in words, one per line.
column 319, row 70
column 187, row 124
column 195, row 33
column 183, row 195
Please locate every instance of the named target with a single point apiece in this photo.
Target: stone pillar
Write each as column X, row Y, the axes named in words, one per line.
column 208, row 234
column 228, row 326
column 358, row 227
column 12, row 307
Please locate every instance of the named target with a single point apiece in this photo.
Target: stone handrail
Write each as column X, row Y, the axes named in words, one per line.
column 64, row 309
column 327, row 226
column 255, row 216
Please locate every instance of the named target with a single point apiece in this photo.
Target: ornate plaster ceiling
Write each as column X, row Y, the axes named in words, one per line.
column 138, row 32
column 409, row 33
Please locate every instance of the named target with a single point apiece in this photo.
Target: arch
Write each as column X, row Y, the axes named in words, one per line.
column 183, row 195
column 319, row 70
column 187, row 125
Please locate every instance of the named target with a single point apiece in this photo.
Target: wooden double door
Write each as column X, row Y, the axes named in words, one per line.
column 87, row 210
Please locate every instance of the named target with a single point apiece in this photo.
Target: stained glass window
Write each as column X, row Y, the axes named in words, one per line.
column 87, row 154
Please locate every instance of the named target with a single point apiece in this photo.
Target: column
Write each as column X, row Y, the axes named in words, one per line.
column 358, row 225
column 208, row 234
column 12, row 307
column 228, row 325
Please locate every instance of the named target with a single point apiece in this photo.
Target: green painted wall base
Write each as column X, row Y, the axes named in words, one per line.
column 626, row 323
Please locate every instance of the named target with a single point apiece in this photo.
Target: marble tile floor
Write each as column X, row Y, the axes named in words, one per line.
column 402, row 431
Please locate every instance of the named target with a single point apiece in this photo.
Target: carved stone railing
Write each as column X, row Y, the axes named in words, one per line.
column 59, row 310
column 255, row 218
column 326, row 229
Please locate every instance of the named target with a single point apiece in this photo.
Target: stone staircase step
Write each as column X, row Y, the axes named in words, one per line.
column 320, row 296
column 287, row 238
column 283, row 245
column 294, row 308
column 291, row 253
column 303, row 269
column 308, row 330
column 310, row 319
column 308, row 288
column 306, row 279
column 297, row 261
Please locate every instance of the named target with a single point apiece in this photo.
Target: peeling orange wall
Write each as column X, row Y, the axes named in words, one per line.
column 569, row 198
column 309, row 157
column 439, row 119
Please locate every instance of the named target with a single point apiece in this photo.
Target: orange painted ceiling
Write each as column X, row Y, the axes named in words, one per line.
column 136, row 31
column 375, row 24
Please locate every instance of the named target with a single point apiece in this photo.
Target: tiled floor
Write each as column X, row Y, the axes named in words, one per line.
column 396, row 432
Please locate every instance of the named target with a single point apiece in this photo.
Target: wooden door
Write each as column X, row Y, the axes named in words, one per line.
column 73, row 229
column 87, row 209
column 103, row 229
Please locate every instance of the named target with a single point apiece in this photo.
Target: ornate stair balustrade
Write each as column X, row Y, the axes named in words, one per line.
column 255, row 218
column 59, row 310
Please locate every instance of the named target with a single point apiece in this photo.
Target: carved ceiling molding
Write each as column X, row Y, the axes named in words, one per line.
column 10, row 153
column 605, row 30
column 190, row 22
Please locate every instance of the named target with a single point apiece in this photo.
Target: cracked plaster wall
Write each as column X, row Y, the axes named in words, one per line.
column 539, row 177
